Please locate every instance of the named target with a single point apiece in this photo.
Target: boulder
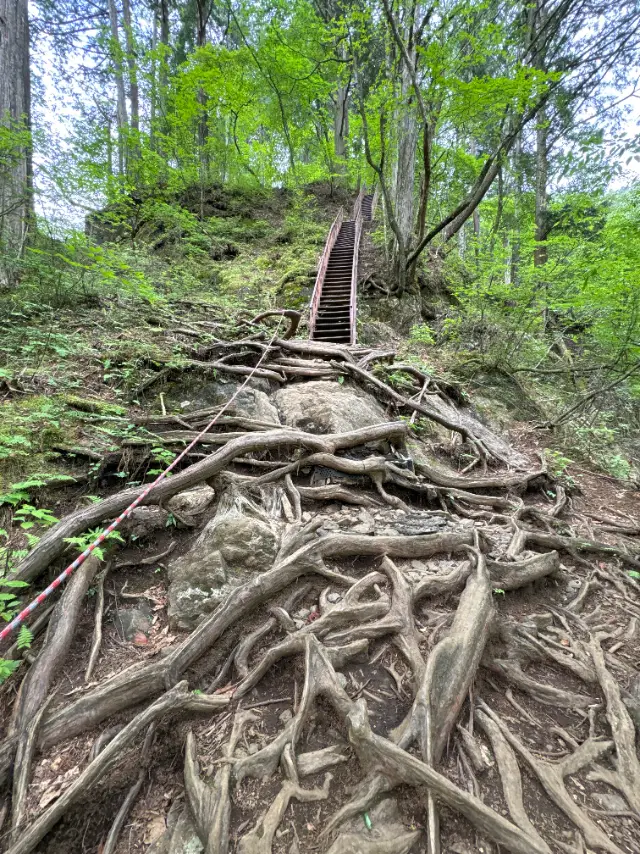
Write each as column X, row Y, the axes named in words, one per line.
column 327, row 407
column 252, row 402
column 237, row 543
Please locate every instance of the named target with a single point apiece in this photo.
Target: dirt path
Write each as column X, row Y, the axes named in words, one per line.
column 427, row 659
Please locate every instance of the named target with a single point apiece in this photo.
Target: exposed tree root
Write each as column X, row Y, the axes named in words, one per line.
column 395, row 616
column 175, row 700
column 97, row 631
column 510, row 776
column 627, row 774
column 115, row 830
column 552, row 776
column 52, row 543
column 260, row 839
column 211, row 805
column 381, row 755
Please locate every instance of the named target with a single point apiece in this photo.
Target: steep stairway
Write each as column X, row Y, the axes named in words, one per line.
column 333, row 321
column 333, row 305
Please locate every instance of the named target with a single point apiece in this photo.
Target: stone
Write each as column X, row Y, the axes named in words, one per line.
column 363, row 528
column 327, row 407
column 610, row 801
column 252, row 402
column 181, row 837
column 130, row 622
column 414, row 524
column 286, row 716
column 144, row 521
column 237, row 543
column 333, row 598
column 192, row 502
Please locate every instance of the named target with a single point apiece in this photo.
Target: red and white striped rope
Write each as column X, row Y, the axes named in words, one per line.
column 20, row 618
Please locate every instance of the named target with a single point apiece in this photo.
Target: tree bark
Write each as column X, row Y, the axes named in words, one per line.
column 15, row 113
column 163, row 73
column 541, row 254
column 121, row 111
column 202, row 20
column 405, row 165
column 134, row 97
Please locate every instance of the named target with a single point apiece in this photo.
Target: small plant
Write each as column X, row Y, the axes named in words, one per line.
column 618, row 466
column 9, row 602
column 7, row 667
column 28, row 516
column 498, row 591
column 25, row 638
column 558, row 464
column 163, row 456
column 422, row 334
column 84, row 541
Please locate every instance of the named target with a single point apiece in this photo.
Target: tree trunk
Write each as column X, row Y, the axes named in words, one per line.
column 134, row 97
column 121, row 111
column 341, row 119
column 153, row 100
column 542, row 172
column 203, row 122
column 517, row 206
column 405, row 165
column 15, row 113
column 164, row 67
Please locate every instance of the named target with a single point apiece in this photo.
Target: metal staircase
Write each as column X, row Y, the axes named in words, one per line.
column 334, row 301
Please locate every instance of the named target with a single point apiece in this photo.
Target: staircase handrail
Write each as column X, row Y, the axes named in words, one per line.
column 322, row 270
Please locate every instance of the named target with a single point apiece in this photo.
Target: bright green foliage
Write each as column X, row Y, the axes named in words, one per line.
column 83, row 541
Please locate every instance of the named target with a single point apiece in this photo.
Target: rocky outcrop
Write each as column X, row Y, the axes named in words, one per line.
column 238, row 542
column 252, row 402
column 327, row 407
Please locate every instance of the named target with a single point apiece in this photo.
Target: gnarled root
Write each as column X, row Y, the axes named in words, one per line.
column 381, row 755
column 211, row 805
column 176, row 699
column 510, row 776
column 552, row 775
column 260, row 839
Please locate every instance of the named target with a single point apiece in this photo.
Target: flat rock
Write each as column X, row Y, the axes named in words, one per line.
column 327, row 407
column 610, row 801
column 129, row 622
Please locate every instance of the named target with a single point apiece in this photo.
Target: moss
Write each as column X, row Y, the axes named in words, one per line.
column 92, row 405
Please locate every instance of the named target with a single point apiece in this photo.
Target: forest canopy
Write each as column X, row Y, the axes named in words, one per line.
column 501, row 138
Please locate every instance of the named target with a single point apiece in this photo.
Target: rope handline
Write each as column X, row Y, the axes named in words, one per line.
column 31, row 607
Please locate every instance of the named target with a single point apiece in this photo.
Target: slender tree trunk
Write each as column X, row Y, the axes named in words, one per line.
column 121, row 109
column 203, row 122
column 164, row 68
column 15, row 113
column 541, row 254
column 405, row 166
column 153, row 105
column 341, row 119
column 425, row 184
column 517, row 206
column 134, row 96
